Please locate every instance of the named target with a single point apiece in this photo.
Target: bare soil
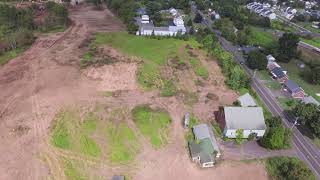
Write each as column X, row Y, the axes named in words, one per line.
column 48, row 78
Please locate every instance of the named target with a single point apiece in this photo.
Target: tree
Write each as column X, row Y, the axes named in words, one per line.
column 315, row 75
column 289, row 168
column 288, row 44
column 277, row 136
column 239, row 136
column 198, row 18
column 238, row 78
column 153, row 7
column 257, row 60
column 243, row 36
column 309, row 115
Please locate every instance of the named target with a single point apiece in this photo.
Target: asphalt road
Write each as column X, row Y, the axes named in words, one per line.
column 305, row 149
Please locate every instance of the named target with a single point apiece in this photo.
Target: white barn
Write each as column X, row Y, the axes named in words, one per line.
column 249, row 119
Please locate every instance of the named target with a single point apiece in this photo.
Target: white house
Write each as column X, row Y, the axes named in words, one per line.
column 178, row 21
column 249, row 119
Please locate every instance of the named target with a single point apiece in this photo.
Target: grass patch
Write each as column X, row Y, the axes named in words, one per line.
column 87, row 59
column 193, row 121
column 314, row 41
column 189, row 98
column 154, row 53
column 71, row 172
column 199, row 69
column 69, row 133
column 153, row 124
column 294, row 74
column 273, row 85
column 316, row 141
column 287, row 103
column 216, row 129
column 7, row 56
column 261, row 37
column 264, row 75
column 168, row 89
column 122, row 142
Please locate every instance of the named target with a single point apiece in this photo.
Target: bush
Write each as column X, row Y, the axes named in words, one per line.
column 276, row 136
column 252, row 136
column 288, row 168
column 239, row 136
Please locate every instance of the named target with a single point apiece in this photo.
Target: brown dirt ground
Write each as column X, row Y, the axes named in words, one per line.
column 47, row 78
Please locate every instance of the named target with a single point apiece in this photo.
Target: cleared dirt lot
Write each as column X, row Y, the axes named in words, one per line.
column 47, row 78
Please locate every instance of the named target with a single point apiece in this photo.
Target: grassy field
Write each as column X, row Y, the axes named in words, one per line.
column 294, row 74
column 122, row 142
column 287, row 103
column 154, row 124
column 154, row 53
column 74, row 134
column 261, row 37
column 71, row 171
column 7, row 56
column 314, row 41
column 278, row 25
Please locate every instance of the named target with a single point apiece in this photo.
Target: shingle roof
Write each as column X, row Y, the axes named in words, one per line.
column 278, row 72
column 247, row 100
column 249, row 118
column 292, row 86
column 201, row 131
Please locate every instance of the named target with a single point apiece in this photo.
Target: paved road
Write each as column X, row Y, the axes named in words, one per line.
column 305, row 149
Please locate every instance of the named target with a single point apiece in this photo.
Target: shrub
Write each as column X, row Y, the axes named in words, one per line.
column 288, row 168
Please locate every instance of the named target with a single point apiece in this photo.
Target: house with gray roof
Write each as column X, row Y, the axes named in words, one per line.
column 249, row 119
column 294, row 89
column 247, row 100
column 204, row 149
column 279, row 74
column 310, row 100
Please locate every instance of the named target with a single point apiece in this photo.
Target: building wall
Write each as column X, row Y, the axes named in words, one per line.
column 298, row 95
column 232, row 133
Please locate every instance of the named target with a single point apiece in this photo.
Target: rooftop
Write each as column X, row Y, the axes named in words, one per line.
column 310, row 100
column 244, row 118
column 278, row 72
column 292, row 86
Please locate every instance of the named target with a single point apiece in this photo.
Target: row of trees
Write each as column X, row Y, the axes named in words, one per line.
column 236, row 76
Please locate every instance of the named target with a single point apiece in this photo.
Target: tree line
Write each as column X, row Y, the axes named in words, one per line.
column 18, row 24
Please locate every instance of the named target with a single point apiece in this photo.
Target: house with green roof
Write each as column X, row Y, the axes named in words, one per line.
column 204, row 149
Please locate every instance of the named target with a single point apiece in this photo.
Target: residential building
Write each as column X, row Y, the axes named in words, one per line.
column 249, row 119
column 294, row 89
column 204, row 149
column 262, row 9
column 279, row 74
column 247, row 100
column 310, row 100
column 145, row 19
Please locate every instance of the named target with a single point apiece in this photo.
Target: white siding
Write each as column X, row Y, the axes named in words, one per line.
column 232, row 133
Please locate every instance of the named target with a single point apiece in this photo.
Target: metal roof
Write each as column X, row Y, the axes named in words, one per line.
column 201, row 131
column 247, row 100
column 247, row 118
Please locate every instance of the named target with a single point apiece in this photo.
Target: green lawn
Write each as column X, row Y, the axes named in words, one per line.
column 278, row 25
column 294, row 74
column 308, row 25
column 314, row 41
column 71, row 171
column 261, row 37
column 7, row 56
column 154, row 124
column 273, row 85
column 264, row 75
column 154, row 53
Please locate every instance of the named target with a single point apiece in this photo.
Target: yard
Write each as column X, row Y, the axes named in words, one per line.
column 294, row 74
column 261, row 37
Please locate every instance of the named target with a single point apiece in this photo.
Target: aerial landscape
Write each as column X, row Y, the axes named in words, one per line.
column 166, row 89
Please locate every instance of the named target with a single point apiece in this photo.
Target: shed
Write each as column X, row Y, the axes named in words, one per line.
column 247, row 100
